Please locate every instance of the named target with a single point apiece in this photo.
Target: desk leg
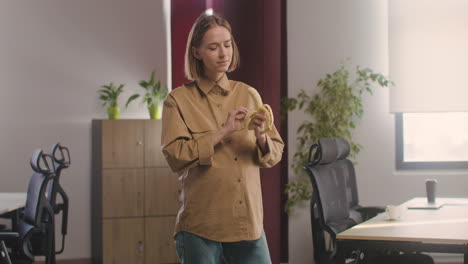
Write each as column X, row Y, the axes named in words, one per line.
column 465, row 256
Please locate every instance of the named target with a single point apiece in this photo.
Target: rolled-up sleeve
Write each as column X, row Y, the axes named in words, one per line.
column 275, row 146
column 181, row 150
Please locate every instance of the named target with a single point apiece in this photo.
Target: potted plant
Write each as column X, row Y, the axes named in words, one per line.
column 110, row 94
column 155, row 93
column 334, row 111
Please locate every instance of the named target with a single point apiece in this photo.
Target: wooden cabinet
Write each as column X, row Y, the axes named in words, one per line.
column 135, row 195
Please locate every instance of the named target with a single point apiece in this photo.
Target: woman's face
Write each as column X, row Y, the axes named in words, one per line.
column 215, row 51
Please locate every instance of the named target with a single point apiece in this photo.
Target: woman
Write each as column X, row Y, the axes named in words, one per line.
column 205, row 140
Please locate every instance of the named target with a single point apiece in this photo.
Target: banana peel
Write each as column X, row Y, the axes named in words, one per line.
column 260, row 107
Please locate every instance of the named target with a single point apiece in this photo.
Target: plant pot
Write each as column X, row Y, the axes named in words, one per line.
column 113, row 112
column 154, row 112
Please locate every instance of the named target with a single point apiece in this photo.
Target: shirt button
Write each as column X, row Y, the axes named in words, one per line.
column 240, row 202
column 235, row 158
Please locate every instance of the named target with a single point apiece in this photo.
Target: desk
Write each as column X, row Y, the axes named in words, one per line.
column 10, row 201
column 442, row 230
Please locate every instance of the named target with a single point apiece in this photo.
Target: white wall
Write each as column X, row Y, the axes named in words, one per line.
column 320, row 34
column 54, row 55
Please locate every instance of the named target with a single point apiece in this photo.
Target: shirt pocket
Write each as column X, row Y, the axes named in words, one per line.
column 199, row 127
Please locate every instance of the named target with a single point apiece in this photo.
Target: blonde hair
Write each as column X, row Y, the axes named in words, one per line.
column 194, row 68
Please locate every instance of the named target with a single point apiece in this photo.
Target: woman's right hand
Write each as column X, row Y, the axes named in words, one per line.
column 235, row 119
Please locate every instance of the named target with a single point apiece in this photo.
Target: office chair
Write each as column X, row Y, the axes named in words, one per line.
column 61, row 160
column 335, row 205
column 329, row 207
column 32, row 225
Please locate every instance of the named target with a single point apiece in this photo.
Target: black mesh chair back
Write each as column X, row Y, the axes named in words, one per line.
column 347, row 171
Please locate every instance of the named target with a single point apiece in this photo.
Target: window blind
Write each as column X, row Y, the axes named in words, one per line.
column 428, row 49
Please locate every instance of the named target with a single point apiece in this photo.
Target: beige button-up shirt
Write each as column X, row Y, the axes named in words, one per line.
column 221, row 192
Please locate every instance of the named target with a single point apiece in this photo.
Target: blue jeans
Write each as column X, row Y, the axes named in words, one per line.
column 192, row 249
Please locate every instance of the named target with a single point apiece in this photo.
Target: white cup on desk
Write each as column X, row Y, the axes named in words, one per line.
column 394, row 212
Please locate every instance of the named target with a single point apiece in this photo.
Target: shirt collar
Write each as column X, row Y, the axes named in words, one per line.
column 206, row 85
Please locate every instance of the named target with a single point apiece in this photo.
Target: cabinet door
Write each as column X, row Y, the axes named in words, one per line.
column 153, row 153
column 161, row 192
column 122, row 143
column 123, row 241
column 159, row 240
column 122, row 192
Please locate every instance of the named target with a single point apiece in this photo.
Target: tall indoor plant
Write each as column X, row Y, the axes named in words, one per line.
column 154, row 94
column 334, row 111
column 110, row 95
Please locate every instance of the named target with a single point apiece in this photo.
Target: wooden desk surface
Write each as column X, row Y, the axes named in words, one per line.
column 448, row 224
column 10, row 201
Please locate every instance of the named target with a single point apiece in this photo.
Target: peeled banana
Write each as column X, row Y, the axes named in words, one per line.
column 259, row 108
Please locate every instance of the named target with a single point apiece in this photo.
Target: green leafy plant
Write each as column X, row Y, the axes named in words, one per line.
column 110, row 94
column 334, row 111
column 154, row 94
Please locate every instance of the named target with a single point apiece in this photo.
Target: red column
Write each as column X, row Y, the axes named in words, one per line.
column 183, row 15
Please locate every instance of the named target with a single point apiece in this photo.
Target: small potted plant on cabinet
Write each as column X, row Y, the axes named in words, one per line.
column 110, row 94
column 154, row 94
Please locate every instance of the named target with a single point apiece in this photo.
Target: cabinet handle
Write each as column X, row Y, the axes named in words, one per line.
column 179, row 196
column 141, row 248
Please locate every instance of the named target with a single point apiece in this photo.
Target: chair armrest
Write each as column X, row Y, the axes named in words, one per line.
column 8, row 235
column 368, row 212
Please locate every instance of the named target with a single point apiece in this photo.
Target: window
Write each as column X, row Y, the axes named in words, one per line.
column 432, row 140
column 428, row 56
